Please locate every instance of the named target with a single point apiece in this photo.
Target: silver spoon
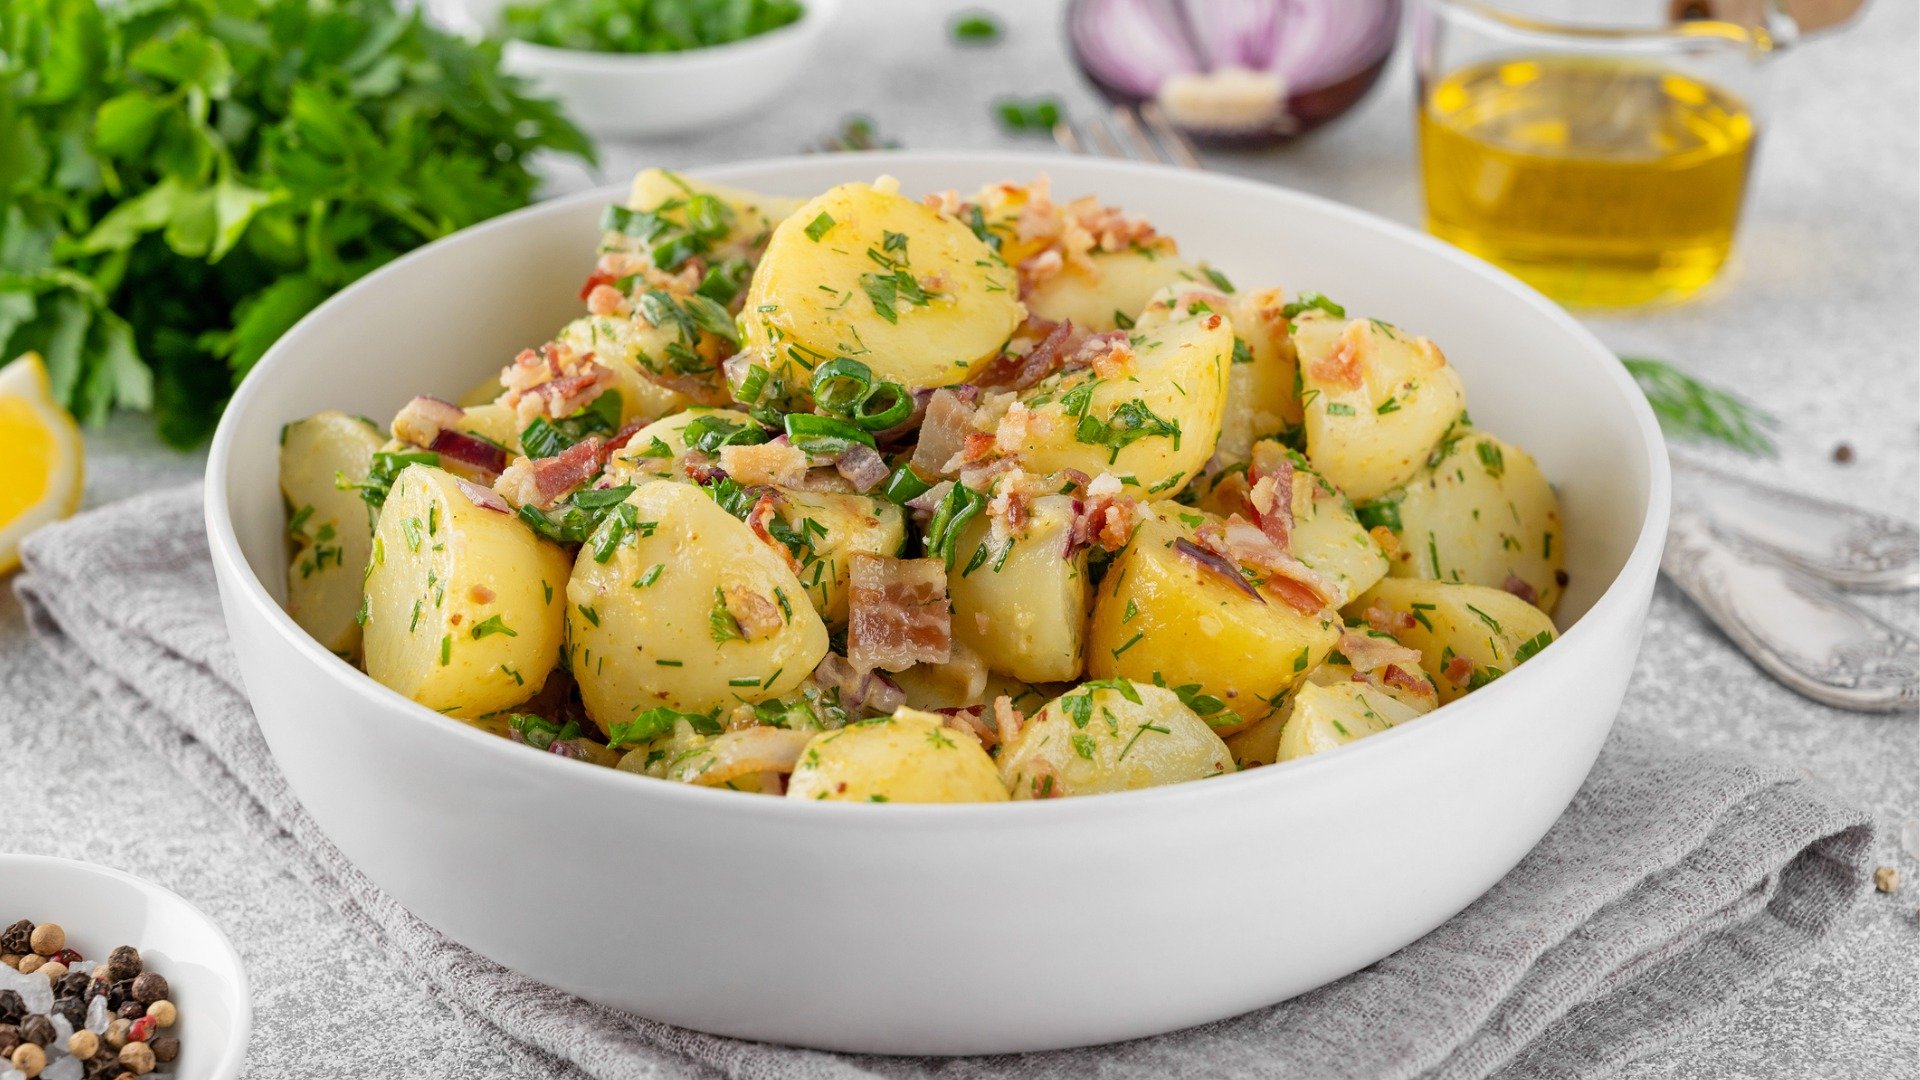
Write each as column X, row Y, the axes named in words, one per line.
column 1845, row 545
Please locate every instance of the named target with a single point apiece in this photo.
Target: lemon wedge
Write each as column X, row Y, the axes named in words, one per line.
column 41, row 460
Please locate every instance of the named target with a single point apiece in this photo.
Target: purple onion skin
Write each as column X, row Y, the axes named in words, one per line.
column 1307, row 107
column 1216, row 566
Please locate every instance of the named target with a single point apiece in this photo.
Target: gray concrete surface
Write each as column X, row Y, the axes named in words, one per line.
column 1816, row 321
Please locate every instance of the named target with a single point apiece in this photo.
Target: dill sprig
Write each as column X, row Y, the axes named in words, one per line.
column 1690, row 409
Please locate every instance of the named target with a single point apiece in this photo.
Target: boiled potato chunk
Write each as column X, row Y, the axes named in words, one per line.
column 1118, row 736
column 1482, row 513
column 867, row 272
column 750, row 215
column 1326, row 534
column 1021, row 602
column 1111, row 291
column 1260, row 744
column 690, row 610
column 1160, row 617
column 1325, row 717
column 1488, row 632
column 463, row 603
column 830, row 529
column 909, row 757
column 1377, row 400
column 329, row 528
column 625, row 345
column 1153, row 421
column 1260, row 381
column 656, row 450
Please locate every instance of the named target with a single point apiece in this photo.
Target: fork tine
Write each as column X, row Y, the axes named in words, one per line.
column 1065, row 138
column 1127, row 122
column 1174, row 141
column 1100, row 138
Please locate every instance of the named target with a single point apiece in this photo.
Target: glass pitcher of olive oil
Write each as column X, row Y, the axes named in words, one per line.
column 1604, row 165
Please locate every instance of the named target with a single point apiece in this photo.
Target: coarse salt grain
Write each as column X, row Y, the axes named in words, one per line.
column 67, row 1068
column 84, row 967
column 35, row 990
column 97, row 1015
column 62, row 1031
column 13, row 1074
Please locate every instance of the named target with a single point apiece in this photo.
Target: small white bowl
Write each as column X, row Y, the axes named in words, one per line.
column 101, row 909
column 634, row 95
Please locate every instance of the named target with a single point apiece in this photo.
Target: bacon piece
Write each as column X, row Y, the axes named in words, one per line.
column 758, row 616
column 760, row 520
column 597, row 280
column 859, row 692
column 421, row 420
column 970, row 721
column 1459, row 671
column 1007, row 720
column 898, row 613
column 551, row 477
column 1388, row 621
column 943, row 434
column 1296, row 583
column 776, row 463
column 1013, row 370
column 1518, row 587
column 1270, row 498
column 1342, row 366
column 1369, row 654
column 467, row 449
column 1397, row 676
column 863, row 467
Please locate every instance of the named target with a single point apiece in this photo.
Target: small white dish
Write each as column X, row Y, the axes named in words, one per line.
column 101, row 908
column 636, row 95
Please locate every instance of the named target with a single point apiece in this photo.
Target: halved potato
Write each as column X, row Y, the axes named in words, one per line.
column 1160, row 617
column 1376, row 401
column 909, row 757
column 1488, row 631
column 1482, row 513
column 1326, row 534
column 689, row 610
column 331, row 530
column 656, row 450
column 1153, row 421
column 1021, row 602
column 1261, row 743
column 1261, row 400
column 1332, row 715
column 626, row 344
column 824, row 530
column 1111, row 736
column 866, row 272
column 1111, row 290
column 462, row 602
column 750, row 216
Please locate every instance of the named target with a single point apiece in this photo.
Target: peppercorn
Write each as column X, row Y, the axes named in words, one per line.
column 31, row 963
column 119, row 993
column 123, row 963
column 9, row 1038
column 163, row 1013
column 29, row 1059
column 37, row 1029
column 116, row 1035
column 68, row 956
column 104, row 1065
column 130, row 1010
column 165, row 1048
column 48, row 938
column 54, row 970
column 74, row 1009
column 83, row 1044
column 12, row 1006
column 72, row 984
column 12, row 960
column 17, row 940
column 142, row 1029
column 149, row 987
column 137, row 1056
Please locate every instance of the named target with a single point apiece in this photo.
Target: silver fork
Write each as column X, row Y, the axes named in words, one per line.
column 1141, row 133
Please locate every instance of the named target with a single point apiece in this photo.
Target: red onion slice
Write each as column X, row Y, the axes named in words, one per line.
column 484, row 498
column 1217, row 566
column 470, row 450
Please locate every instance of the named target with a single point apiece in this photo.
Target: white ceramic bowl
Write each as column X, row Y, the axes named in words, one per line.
column 637, row 95
column 951, row 929
column 101, row 909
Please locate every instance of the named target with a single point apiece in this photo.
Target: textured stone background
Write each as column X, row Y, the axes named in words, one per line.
column 1815, row 321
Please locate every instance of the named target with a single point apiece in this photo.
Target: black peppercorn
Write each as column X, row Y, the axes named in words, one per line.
column 12, row 1007
column 149, row 987
column 9, row 1038
column 74, row 1009
column 124, row 963
column 165, row 1048
column 130, row 1010
column 119, row 993
column 18, row 938
column 37, row 1029
column 72, row 984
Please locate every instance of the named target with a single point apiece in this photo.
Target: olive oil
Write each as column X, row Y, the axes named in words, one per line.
column 1601, row 182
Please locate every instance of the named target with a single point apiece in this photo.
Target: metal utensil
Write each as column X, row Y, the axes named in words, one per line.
column 1845, row 545
column 1796, row 627
column 1124, row 133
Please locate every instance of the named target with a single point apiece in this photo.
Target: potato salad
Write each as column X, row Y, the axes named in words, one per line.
column 954, row 497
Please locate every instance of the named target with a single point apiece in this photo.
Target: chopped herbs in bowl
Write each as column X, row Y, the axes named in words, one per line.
column 645, row 26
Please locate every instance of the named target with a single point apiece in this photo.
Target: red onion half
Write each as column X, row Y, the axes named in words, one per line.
column 1235, row 70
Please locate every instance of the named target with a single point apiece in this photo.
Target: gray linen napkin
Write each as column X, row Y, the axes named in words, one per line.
column 1678, row 883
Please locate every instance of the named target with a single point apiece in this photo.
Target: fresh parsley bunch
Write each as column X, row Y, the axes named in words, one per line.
column 182, row 180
